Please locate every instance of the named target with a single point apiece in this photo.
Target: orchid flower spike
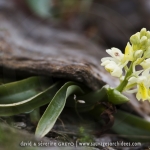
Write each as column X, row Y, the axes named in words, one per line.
column 123, row 65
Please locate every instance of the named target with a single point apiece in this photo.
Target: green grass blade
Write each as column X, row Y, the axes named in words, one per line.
column 55, row 107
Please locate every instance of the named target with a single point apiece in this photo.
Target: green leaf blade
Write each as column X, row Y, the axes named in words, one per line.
column 131, row 127
column 55, row 107
column 20, row 90
column 28, row 105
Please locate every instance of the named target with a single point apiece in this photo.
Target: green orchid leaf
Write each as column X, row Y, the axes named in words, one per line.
column 31, row 103
column 96, row 96
column 55, row 107
column 35, row 116
column 132, row 127
column 133, row 120
column 115, row 97
column 91, row 98
column 104, row 94
column 20, row 90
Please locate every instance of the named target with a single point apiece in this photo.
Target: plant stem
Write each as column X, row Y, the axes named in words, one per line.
column 77, row 110
column 123, row 84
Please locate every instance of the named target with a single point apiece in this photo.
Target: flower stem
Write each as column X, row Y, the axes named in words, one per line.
column 123, row 84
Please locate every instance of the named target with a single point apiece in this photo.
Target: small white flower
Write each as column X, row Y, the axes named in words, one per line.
column 132, row 80
column 122, row 78
column 115, row 53
column 146, row 63
column 114, row 69
column 113, row 64
column 106, row 62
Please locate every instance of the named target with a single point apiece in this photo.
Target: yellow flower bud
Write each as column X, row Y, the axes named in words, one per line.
column 143, row 40
column 147, row 53
column 135, row 39
column 148, row 34
column 143, row 43
column 148, row 43
column 138, row 54
column 143, row 32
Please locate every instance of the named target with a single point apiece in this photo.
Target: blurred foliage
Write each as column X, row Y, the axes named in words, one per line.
column 40, row 7
column 58, row 8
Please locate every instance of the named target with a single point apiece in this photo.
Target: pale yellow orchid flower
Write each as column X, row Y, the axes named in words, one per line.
column 124, row 66
column 142, row 83
column 128, row 56
column 146, row 63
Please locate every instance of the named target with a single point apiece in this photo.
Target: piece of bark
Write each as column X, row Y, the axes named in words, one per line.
column 30, row 46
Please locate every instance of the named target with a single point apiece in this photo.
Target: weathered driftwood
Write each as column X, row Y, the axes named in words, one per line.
column 30, row 46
